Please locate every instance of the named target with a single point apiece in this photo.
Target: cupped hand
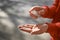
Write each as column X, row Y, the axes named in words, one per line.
column 36, row 11
column 34, row 28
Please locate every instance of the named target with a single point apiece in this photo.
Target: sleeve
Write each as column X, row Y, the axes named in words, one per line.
column 55, row 6
column 56, row 3
column 50, row 11
column 53, row 26
column 58, row 8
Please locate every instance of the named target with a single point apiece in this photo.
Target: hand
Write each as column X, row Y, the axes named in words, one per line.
column 58, row 24
column 34, row 28
column 36, row 11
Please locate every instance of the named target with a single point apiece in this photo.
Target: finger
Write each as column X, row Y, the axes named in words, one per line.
column 33, row 16
column 35, row 33
column 25, row 29
column 37, row 8
column 35, row 30
column 29, row 25
column 25, row 26
column 34, row 11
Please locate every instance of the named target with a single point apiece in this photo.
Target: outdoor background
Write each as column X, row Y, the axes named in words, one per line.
column 14, row 13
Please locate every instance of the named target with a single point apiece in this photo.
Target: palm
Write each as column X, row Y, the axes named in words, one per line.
column 32, row 28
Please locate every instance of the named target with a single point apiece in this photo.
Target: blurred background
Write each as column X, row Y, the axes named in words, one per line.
column 14, row 13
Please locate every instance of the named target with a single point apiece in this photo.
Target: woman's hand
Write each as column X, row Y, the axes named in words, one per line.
column 36, row 11
column 34, row 28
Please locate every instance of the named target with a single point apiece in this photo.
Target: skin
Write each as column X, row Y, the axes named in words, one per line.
column 52, row 12
column 34, row 29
